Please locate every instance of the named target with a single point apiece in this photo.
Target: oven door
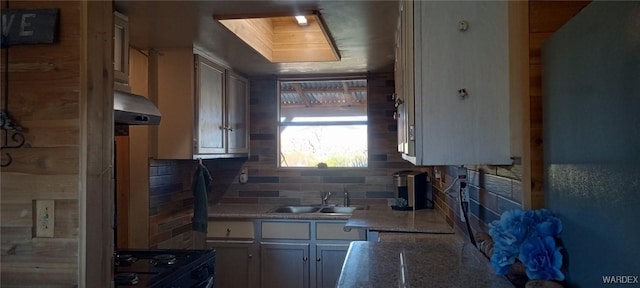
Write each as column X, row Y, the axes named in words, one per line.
column 207, row 283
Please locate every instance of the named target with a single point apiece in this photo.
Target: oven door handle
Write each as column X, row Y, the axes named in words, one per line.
column 207, row 283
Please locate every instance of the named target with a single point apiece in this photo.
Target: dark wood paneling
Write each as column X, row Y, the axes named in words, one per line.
column 549, row 16
column 122, row 191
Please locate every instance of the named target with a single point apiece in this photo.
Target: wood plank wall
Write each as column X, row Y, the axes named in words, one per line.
column 138, row 209
column 43, row 97
column 58, row 94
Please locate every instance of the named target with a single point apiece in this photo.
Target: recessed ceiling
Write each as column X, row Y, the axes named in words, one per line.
column 363, row 32
column 285, row 39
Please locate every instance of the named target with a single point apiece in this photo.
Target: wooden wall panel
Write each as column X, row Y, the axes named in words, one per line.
column 96, row 194
column 139, row 157
column 58, row 160
column 20, row 187
column 37, row 101
column 56, row 265
column 17, row 214
column 45, row 94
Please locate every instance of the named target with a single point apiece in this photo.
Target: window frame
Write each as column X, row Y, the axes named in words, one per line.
column 280, row 124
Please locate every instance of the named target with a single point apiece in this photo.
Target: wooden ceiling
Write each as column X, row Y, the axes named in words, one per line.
column 283, row 40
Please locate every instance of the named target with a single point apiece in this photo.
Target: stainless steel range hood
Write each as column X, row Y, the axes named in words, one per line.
column 134, row 109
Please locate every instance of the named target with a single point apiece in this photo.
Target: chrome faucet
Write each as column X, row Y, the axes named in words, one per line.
column 345, row 201
column 325, row 197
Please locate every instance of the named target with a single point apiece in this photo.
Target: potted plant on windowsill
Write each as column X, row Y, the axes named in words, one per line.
column 525, row 247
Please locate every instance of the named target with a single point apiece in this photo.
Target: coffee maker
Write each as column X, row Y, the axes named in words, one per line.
column 413, row 187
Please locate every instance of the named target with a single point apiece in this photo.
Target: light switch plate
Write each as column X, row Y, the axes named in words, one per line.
column 45, row 215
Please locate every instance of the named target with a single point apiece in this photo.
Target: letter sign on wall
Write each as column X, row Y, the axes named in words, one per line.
column 29, row 26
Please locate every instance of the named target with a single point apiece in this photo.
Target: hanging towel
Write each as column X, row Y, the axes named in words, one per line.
column 201, row 182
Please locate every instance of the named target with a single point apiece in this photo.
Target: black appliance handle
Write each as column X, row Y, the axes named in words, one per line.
column 208, row 283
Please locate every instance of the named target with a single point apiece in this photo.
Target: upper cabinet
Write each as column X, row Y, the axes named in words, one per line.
column 462, row 74
column 204, row 108
column 237, row 117
column 121, row 51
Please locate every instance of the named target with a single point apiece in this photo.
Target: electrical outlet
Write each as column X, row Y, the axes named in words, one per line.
column 45, row 216
column 464, row 192
column 244, row 176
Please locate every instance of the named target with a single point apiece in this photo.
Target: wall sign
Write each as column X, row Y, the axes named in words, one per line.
column 29, row 26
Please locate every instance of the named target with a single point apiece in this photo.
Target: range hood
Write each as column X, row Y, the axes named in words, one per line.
column 134, row 109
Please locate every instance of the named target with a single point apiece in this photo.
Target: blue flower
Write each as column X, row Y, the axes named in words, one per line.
column 527, row 236
column 501, row 260
column 541, row 258
column 511, row 229
column 545, row 224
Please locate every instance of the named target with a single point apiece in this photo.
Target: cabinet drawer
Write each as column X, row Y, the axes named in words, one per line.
column 286, row 230
column 230, row 229
column 335, row 231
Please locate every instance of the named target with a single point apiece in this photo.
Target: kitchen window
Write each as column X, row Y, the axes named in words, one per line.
column 323, row 123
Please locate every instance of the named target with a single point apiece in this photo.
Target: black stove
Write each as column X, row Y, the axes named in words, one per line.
column 164, row 268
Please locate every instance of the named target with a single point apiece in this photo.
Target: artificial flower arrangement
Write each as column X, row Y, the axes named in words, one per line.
column 529, row 237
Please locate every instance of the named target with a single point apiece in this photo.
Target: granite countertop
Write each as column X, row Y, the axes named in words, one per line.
column 253, row 211
column 424, row 221
column 419, row 237
column 429, row 262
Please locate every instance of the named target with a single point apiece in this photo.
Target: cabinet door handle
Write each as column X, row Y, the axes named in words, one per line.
column 318, row 259
column 250, row 255
column 229, row 128
column 228, row 231
column 305, row 259
column 223, row 128
column 398, row 102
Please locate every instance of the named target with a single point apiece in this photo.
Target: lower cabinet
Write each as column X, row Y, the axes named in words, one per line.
column 284, row 265
column 329, row 259
column 236, row 264
column 274, row 253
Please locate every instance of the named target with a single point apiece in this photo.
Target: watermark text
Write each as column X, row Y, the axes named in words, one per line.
column 620, row 279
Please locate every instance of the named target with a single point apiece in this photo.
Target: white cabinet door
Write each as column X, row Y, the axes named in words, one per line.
column 210, row 106
column 465, row 81
column 237, row 99
column 201, row 116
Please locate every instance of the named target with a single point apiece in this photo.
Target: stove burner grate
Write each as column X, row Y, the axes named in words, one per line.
column 124, row 259
column 126, row 278
column 164, row 259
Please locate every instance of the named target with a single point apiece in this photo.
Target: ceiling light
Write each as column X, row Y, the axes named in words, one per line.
column 302, row 20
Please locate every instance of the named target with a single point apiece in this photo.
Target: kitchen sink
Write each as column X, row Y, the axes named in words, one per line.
column 342, row 210
column 338, row 209
column 296, row 209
